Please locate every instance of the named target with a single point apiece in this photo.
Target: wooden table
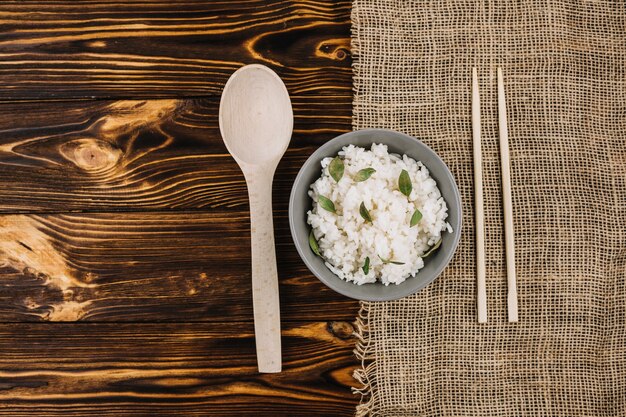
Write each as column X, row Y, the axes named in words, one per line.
column 125, row 253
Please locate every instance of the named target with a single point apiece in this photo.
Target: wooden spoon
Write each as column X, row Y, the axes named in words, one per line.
column 256, row 121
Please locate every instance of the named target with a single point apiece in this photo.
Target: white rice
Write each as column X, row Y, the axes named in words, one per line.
column 345, row 239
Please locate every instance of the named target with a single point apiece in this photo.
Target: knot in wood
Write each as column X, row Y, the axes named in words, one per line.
column 335, row 49
column 91, row 155
column 341, row 329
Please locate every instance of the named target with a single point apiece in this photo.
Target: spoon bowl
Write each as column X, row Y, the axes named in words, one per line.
column 256, row 121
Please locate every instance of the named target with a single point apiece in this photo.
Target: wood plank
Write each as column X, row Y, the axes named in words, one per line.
column 165, row 48
column 199, row 369
column 176, row 247
column 137, row 155
column 148, row 267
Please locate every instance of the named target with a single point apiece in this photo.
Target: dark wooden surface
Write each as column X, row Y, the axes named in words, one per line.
column 124, row 228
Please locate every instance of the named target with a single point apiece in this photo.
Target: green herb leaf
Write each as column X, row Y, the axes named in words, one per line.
column 432, row 249
column 389, row 261
column 416, row 217
column 336, row 168
column 404, row 183
column 326, row 204
column 364, row 174
column 366, row 266
column 364, row 213
column 313, row 244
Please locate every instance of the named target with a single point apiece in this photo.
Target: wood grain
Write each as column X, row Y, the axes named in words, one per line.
column 172, row 370
column 124, row 248
column 159, row 48
column 136, row 155
column 148, row 267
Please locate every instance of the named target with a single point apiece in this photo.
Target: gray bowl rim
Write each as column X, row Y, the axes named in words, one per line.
column 321, row 153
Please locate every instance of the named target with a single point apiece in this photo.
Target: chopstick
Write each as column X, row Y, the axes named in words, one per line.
column 481, row 290
column 506, row 197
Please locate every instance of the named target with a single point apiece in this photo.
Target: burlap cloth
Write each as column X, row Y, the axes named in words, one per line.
column 564, row 66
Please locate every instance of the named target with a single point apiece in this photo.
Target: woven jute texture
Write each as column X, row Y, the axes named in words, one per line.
column 564, row 67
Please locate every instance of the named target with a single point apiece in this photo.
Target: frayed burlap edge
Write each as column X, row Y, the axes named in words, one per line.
column 366, row 375
column 355, row 49
column 363, row 351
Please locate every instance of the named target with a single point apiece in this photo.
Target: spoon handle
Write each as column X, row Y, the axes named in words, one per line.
column 265, row 299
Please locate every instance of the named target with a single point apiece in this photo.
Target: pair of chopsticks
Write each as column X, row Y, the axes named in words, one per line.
column 479, row 203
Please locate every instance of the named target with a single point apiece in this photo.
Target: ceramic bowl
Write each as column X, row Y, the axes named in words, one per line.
column 300, row 203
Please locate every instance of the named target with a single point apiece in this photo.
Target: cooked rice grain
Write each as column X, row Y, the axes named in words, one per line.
column 346, row 239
